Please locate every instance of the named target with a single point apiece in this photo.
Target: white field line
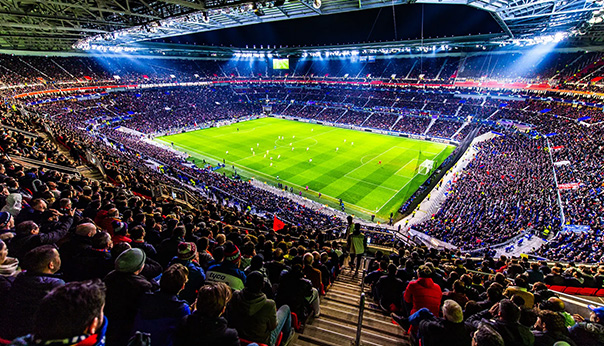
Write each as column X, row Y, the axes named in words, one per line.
column 410, row 180
column 262, row 174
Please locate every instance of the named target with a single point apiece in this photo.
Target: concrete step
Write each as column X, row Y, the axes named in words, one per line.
column 372, row 323
column 338, row 333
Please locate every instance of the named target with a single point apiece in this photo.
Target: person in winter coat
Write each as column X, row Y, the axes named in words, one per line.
column 9, row 268
column 13, row 204
column 125, row 287
column 423, row 292
column 389, row 290
column 28, row 290
column 503, row 318
column 206, row 326
column 255, row 317
column 228, row 270
column 449, row 330
column 95, row 262
column 187, row 256
column 70, row 315
column 297, row 292
column 29, row 236
column 160, row 313
column 589, row 333
column 550, row 329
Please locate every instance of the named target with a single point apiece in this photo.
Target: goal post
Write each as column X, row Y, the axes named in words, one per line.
column 426, row 167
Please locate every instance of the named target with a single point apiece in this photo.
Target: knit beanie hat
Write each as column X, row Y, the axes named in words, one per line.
column 130, row 261
column 4, row 218
column 231, row 252
column 186, row 251
column 119, row 227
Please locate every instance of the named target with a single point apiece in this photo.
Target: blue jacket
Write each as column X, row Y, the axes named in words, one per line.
column 159, row 314
column 197, row 278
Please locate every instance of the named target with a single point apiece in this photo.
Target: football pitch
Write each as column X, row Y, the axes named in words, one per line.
column 371, row 173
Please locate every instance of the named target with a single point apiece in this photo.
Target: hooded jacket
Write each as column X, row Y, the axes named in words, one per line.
column 13, row 204
column 423, row 293
column 254, row 316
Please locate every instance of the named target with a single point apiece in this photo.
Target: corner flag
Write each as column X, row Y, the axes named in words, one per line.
column 277, row 224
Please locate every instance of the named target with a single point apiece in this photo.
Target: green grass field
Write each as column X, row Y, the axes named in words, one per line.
column 353, row 172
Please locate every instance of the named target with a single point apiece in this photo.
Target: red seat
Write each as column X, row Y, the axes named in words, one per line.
column 600, row 292
column 4, row 342
column 296, row 323
column 586, row 291
column 557, row 288
column 572, row 290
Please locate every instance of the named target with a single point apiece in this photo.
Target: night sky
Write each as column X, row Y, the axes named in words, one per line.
column 354, row 27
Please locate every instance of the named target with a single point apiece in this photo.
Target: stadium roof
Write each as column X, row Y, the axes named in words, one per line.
column 81, row 24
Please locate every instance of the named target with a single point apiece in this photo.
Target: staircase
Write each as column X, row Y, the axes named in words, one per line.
column 338, row 322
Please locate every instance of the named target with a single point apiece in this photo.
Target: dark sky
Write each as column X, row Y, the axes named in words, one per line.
column 354, row 27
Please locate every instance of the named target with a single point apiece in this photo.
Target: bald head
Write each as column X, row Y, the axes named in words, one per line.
column 87, row 229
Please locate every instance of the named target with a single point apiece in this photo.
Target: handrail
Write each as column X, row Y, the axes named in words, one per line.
column 363, row 281
column 357, row 340
column 14, row 129
column 45, row 164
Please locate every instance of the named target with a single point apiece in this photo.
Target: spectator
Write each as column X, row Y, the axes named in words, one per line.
column 29, row 288
column 28, row 235
column 125, row 287
column 458, row 293
column 486, row 336
column 449, row 330
column 297, row 292
column 9, row 268
column 205, row 326
column 160, row 313
column 255, row 317
column 535, row 274
column 520, row 288
column 228, row 270
column 506, row 316
column 69, row 315
column 96, row 261
column 550, row 329
column 389, row 290
column 589, row 333
column 187, row 256
column 137, row 234
column 358, row 242
column 312, row 274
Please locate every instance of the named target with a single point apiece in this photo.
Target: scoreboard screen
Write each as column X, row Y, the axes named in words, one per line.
column 280, row 64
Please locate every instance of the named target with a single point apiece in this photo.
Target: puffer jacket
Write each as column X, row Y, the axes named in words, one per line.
column 423, row 293
column 252, row 315
column 22, row 301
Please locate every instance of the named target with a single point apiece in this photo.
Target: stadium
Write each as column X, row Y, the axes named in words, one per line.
column 302, row 172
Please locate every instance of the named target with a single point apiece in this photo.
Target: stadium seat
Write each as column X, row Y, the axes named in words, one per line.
column 587, row 291
column 572, row 290
column 557, row 288
column 600, row 293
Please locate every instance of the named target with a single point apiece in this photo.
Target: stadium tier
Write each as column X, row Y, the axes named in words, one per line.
column 428, row 191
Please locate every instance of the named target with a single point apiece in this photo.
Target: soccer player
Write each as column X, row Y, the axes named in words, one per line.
column 337, row 149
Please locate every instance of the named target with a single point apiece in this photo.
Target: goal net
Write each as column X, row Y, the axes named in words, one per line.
column 426, row 167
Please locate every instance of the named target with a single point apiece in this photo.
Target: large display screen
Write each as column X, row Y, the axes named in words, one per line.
column 280, row 64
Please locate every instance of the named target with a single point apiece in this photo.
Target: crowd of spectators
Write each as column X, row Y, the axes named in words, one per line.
column 440, row 298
